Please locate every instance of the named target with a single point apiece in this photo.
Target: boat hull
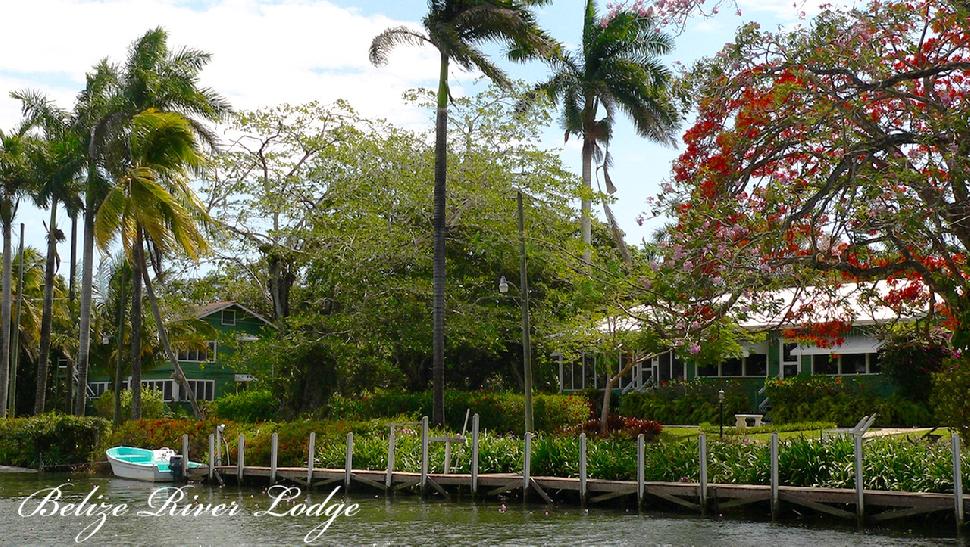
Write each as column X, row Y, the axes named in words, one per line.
column 142, row 464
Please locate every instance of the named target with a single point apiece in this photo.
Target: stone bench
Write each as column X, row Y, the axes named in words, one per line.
column 741, row 420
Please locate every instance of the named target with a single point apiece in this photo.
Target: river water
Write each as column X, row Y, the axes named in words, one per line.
column 402, row 520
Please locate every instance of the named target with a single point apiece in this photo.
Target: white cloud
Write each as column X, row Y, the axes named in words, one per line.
column 263, row 53
column 791, row 10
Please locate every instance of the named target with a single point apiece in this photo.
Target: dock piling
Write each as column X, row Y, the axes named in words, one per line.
column 640, row 464
column 582, row 468
column 957, row 481
column 702, row 487
column 526, row 465
column 311, row 455
column 185, row 455
column 241, row 459
column 274, row 453
column 859, row 482
column 389, row 479
column 424, row 453
column 212, row 455
column 474, row 454
column 349, row 460
column 774, row 476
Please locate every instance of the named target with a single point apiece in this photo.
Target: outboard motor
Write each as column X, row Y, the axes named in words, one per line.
column 175, row 464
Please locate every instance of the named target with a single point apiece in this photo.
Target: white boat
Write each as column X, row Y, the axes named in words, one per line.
column 144, row 465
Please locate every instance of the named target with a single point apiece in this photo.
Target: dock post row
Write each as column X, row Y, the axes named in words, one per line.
column 826, row 500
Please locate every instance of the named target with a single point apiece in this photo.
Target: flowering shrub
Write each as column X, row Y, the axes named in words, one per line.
column 619, row 426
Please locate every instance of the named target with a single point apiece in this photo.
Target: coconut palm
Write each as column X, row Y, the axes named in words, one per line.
column 152, row 206
column 615, row 71
column 154, row 77
column 16, row 181
column 58, row 167
column 458, row 29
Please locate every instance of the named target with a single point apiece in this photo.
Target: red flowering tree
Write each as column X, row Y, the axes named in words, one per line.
column 830, row 153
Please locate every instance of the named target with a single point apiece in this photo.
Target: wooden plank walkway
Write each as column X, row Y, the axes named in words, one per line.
column 849, row 503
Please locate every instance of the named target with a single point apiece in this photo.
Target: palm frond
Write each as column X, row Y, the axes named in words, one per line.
column 383, row 43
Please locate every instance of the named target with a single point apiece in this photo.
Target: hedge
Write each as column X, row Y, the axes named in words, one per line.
column 686, row 402
column 500, row 412
column 841, row 400
column 51, row 440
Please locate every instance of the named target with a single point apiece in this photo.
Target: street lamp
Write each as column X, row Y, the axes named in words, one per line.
column 503, row 287
column 720, row 404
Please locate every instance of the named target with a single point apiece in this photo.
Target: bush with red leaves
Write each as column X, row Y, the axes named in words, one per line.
column 618, row 426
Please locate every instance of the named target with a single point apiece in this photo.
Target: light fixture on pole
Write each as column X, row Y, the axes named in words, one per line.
column 720, row 405
column 503, row 285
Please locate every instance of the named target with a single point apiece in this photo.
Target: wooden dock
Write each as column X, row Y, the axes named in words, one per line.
column 699, row 497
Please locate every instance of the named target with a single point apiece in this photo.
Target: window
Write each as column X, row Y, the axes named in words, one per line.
column 875, row 367
column 756, row 364
column 731, row 367
column 789, row 360
column 824, row 364
column 229, row 317
column 707, row 370
column 853, row 363
column 163, row 386
column 199, row 355
column 97, row 389
column 676, row 368
column 204, row 390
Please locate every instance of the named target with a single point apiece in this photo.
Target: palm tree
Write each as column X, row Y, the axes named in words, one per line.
column 153, row 77
column 458, row 29
column 58, row 166
column 616, row 69
column 16, row 149
column 152, row 205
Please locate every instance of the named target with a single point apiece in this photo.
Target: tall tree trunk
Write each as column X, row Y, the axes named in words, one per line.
column 121, row 346
column 40, row 396
column 71, row 288
column 15, row 334
column 5, row 308
column 177, row 372
column 87, row 279
column 136, row 303
column 585, row 219
column 440, row 234
column 617, row 234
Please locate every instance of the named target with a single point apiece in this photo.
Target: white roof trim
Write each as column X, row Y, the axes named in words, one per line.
column 232, row 303
column 852, row 345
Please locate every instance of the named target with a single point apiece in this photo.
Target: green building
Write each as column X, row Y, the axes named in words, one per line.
column 777, row 356
column 205, row 369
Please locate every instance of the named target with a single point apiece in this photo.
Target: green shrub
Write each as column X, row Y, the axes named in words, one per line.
column 909, row 358
column 951, row 402
column 152, row 404
column 500, row 412
column 769, row 428
column 247, row 406
column 841, row 400
column 690, row 402
column 51, row 440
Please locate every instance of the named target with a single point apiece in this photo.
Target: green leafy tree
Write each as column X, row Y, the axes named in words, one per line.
column 58, row 166
column 16, row 181
column 616, row 70
column 153, row 77
column 153, row 205
column 458, row 29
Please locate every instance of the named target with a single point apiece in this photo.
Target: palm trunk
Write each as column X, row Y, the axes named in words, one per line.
column 136, row 284
column 585, row 220
column 121, row 347
column 15, row 334
column 440, row 233
column 5, row 309
column 71, row 288
column 87, row 278
column 177, row 373
column 40, row 397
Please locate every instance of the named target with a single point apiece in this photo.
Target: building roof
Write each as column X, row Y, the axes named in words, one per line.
column 858, row 304
column 213, row 307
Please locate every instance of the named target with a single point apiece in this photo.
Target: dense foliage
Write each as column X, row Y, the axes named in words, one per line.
column 251, row 405
column 842, row 400
column 684, row 403
column 51, row 440
column 500, row 412
column 910, row 356
column 951, row 396
column 152, row 404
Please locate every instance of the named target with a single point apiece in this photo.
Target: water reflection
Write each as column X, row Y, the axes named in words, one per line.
column 401, row 519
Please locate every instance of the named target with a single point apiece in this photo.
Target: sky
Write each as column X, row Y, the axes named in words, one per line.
column 269, row 52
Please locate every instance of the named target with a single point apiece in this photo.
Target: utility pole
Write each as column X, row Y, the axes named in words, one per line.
column 526, row 342
column 15, row 335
